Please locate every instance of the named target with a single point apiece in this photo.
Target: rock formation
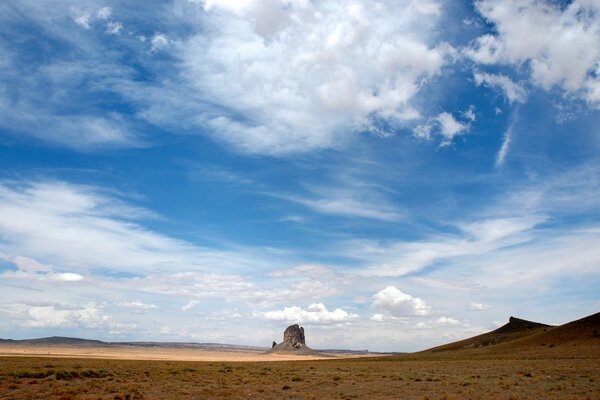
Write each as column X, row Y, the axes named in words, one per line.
column 294, row 335
column 293, row 342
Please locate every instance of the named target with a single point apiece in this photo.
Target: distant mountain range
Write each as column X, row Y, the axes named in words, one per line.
column 70, row 341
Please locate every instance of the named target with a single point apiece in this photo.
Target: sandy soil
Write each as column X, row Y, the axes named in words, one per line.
column 149, row 353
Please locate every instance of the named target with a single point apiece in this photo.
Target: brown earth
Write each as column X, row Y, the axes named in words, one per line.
column 517, row 362
column 531, row 339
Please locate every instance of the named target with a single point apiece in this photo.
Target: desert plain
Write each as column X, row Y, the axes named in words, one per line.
column 520, row 360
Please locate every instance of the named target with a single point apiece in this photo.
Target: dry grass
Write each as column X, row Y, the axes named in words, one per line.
column 411, row 377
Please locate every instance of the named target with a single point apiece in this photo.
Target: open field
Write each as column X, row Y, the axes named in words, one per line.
column 410, row 377
column 520, row 360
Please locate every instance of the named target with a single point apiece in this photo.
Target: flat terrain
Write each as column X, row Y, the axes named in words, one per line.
column 151, row 353
column 520, row 360
column 381, row 378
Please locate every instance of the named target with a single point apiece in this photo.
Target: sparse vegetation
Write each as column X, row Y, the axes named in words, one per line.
column 519, row 368
column 417, row 376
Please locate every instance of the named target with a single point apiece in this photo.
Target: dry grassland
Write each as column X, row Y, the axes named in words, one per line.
column 428, row 376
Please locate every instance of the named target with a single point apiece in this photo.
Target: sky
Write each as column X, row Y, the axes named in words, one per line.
column 391, row 175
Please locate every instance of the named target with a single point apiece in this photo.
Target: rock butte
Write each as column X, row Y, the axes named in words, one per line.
column 294, row 341
column 294, row 335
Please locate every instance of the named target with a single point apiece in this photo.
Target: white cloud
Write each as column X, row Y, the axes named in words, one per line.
column 85, row 17
column 68, row 277
column 78, row 227
column 308, row 270
column 512, row 91
column 377, row 317
column 469, row 114
column 492, row 230
column 158, row 42
column 481, row 237
column 423, row 131
column 313, row 314
column 84, row 132
column 290, row 69
column 426, row 7
column 138, row 305
column 477, row 306
column 441, row 322
column 104, row 13
column 559, row 45
column 51, row 316
column 501, row 156
column 114, row 28
column 446, row 321
column 446, row 126
column 29, row 269
column 349, row 204
column 400, row 304
column 450, row 127
column 189, row 305
column 81, row 18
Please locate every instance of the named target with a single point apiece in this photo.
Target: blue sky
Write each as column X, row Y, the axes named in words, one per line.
column 391, row 175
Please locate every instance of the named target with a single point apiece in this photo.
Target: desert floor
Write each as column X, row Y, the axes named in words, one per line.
column 465, row 376
column 153, row 353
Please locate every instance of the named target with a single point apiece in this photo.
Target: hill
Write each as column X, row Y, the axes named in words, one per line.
column 56, row 341
column 515, row 329
column 288, row 348
column 532, row 339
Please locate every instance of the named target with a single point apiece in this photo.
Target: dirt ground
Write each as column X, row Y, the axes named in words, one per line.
column 399, row 377
column 153, row 353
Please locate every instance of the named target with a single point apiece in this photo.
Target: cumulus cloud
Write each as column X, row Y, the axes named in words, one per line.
column 400, row 304
column 313, row 314
column 377, row 317
column 450, row 127
column 290, row 70
column 512, row 91
column 52, row 316
column 559, row 45
column 446, row 125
